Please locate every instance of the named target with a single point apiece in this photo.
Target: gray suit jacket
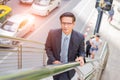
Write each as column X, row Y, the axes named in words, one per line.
column 53, row 45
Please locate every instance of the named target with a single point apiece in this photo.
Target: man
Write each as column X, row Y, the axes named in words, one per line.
column 88, row 46
column 111, row 14
column 95, row 44
column 73, row 50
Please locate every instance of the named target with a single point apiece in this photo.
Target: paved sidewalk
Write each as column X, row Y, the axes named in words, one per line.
column 116, row 18
column 112, row 35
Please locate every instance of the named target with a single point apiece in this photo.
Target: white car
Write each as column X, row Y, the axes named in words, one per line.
column 3, row 2
column 27, row 1
column 16, row 26
column 44, row 7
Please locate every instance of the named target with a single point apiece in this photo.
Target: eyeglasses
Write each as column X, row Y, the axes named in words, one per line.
column 66, row 23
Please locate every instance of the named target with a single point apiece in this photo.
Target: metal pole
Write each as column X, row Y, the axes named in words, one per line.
column 99, row 18
column 20, row 57
column 44, row 59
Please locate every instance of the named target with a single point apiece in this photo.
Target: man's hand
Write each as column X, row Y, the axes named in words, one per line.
column 56, row 62
column 80, row 60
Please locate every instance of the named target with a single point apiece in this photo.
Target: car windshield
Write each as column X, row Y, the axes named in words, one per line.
column 2, row 11
column 42, row 2
column 8, row 26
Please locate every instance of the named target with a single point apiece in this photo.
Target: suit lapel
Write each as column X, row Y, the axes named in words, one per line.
column 71, row 43
column 58, row 41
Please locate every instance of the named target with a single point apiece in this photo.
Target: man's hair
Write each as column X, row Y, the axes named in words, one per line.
column 97, row 35
column 68, row 14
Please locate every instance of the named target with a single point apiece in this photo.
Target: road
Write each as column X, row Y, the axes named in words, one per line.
column 81, row 10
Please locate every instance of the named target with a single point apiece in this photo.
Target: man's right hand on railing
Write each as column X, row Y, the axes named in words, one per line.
column 80, row 60
column 56, row 62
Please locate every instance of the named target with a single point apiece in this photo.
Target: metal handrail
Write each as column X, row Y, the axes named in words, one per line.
column 21, row 48
column 103, row 61
column 21, row 39
column 40, row 73
column 97, row 70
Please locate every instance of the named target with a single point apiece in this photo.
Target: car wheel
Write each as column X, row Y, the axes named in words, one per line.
column 47, row 13
column 32, row 28
column 4, row 2
column 20, row 2
column 58, row 4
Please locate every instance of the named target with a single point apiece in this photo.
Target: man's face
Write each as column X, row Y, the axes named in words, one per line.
column 97, row 38
column 67, row 25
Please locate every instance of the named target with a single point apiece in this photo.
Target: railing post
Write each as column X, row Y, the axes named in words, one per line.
column 106, row 57
column 20, row 56
column 80, row 74
column 44, row 59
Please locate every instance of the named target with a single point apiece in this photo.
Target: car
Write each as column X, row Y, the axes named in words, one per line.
column 16, row 26
column 27, row 1
column 4, row 12
column 3, row 2
column 44, row 7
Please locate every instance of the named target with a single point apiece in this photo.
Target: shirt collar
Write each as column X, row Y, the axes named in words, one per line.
column 64, row 35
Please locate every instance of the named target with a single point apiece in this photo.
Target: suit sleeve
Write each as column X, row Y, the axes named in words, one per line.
column 48, row 47
column 82, row 47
